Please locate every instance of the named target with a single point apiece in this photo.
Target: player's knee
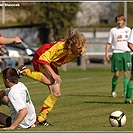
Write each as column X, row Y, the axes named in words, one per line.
column 116, row 76
column 57, row 95
column 127, row 73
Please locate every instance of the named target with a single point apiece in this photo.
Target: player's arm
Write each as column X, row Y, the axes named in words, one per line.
column 130, row 45
column 130, row 40
column 108, row 44
column 2, row 93
column 106, row 51
column 21, row 115
column 6, row 40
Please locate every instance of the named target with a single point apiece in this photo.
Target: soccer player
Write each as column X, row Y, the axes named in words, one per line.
column 130, row 83
column 17, row 97
column 46, row 61
column 121, row 58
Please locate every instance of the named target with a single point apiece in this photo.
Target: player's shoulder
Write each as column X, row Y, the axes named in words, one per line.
column 113, row 29
column 126, row 27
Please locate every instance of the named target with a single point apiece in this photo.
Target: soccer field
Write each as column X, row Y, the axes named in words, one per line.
column 85, row 103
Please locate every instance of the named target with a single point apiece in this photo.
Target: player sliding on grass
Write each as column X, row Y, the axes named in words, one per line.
column 18, row 100
column 46, row 61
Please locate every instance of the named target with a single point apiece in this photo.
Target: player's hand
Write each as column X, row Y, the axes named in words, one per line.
column 107, row 58
column 17, row 40
column 57, row 79
column 7, row 128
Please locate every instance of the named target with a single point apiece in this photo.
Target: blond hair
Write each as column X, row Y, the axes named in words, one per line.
column 120, row 16
column 75, row 37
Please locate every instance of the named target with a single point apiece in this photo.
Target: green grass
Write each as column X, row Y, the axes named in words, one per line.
column 85, row 103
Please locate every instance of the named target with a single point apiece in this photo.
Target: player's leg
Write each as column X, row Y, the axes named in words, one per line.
column 2, row 93
column 36, row 75
column 3, row 98
column 49, row 103
column 126, row 68
column 4, row 119
column 114, row 83
column 125, row 82
column 116, row 67
column 129, row 91
column 130, row 86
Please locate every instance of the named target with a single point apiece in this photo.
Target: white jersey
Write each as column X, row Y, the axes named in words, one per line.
column 19, row 98
column 130, row 39
column 118, row 39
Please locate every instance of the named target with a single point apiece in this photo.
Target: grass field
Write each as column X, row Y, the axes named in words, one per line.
column 85, row 104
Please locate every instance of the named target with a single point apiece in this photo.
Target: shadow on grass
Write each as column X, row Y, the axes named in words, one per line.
column 99, row 102
column 84, row 95
column 93, row 102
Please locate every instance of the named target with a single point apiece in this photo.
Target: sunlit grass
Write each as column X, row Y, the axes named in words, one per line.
column 85, row 104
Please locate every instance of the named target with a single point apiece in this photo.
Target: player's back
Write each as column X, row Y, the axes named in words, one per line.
column 45, row 47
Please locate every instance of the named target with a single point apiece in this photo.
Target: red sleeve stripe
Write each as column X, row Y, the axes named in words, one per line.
column 43, row 62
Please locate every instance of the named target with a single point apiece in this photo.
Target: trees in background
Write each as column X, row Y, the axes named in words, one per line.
column 120, row 9
column 54, row 18
column 93, row 13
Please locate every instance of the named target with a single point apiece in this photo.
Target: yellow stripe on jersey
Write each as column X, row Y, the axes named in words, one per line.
column 58, row 54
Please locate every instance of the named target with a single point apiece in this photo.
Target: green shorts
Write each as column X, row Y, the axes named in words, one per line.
column 121, row 61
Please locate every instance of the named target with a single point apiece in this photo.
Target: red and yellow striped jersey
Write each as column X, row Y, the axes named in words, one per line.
column 55, row 54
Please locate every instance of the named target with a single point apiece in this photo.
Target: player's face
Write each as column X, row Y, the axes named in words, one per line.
column 120, row 23
column 76, row 50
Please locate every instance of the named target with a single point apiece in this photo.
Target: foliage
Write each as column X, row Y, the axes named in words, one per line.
column 55, row 18
column 51, row 15
column 129, row 12
column 104, row 14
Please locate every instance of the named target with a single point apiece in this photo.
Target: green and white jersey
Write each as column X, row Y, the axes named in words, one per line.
column 19, row 98
column 118, row 39
column 130, row 39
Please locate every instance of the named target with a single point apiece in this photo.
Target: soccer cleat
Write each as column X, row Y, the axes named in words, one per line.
column 20, row 71
column 114, row 94
column 129, row 102
column 44, row 123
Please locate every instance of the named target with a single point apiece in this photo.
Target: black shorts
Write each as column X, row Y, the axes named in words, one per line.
column 8, row 121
